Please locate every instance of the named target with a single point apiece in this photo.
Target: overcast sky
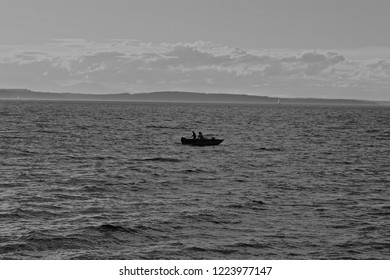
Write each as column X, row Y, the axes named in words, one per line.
column 318, row 48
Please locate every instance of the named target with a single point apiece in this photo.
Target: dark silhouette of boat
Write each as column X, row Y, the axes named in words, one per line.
column 201, row 142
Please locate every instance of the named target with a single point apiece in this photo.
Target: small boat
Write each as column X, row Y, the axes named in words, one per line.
column 201, row 142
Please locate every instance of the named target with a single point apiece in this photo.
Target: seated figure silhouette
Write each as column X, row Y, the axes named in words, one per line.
column 200, row 136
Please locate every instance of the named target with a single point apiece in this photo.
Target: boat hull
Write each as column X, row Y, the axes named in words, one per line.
column 201, row 142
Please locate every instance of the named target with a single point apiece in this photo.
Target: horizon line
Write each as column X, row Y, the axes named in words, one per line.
column 195, row 92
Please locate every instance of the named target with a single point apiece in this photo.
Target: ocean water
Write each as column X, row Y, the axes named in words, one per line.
column 110, row 180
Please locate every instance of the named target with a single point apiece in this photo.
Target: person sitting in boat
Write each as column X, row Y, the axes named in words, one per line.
column 193, row 135
column 200, row 136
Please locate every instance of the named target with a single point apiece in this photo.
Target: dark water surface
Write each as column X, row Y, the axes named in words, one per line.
column 101, row 180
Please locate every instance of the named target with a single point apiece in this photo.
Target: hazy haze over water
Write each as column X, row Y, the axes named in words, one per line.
column 91, row 180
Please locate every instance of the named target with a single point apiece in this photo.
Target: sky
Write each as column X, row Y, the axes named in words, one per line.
column 285, row 48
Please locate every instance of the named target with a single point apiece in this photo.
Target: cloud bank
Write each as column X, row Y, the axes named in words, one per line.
column 132, row 66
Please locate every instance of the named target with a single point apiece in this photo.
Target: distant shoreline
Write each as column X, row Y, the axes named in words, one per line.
column 178, row 96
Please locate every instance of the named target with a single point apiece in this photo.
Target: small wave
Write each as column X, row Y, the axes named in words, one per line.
column 96, row 255
column 9, row 131
column 207, row 217
column 240, row 180
column 385, row 135
column 70, row 197
column 78, row 157
column 196, row 249
column 211, row 218
column 253, row 204
column 353, row 244
column 83, row 127
column 28, row 152
column 27, row 213
column 224, row 251
column 157, row 126
column 198, row 171
column 258, row 202
column 192, row 171
column 102, row 157
column 342, row 226
column 39, row 241
column 109, row 228
column 254, row 245
column 10, row 216
column 372, row 130
column 219, row 251
column 380, row 213
column 162, row 159
column 270, row 149
column 370, row 228
column 12, row 137
column 47, row 131
column 14, row 247
column 343, row 162
column 93, row 189
column 163, row 127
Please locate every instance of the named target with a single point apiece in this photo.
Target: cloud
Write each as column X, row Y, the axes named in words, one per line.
column 190, row 56
column 126, row 65
column 380, row 69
